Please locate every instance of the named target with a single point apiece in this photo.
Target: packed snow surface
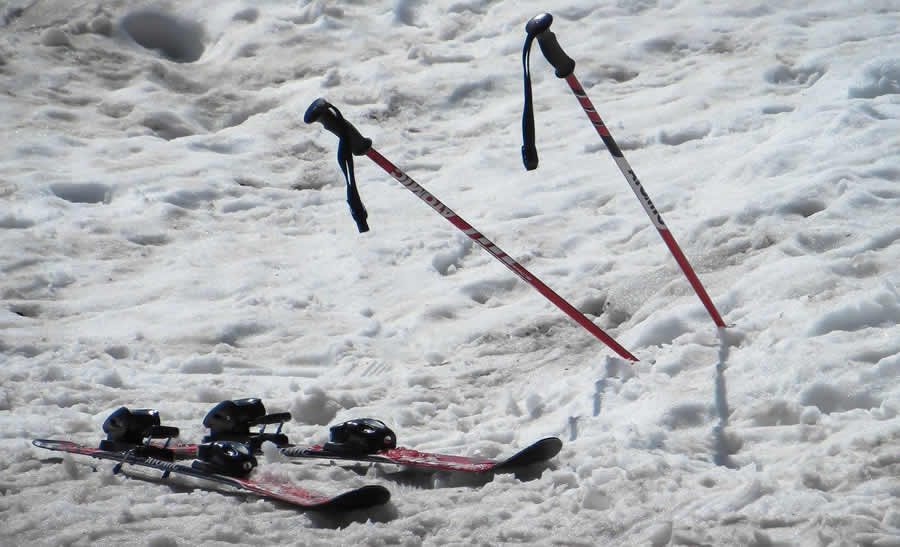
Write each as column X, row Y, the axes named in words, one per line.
column 172, row 234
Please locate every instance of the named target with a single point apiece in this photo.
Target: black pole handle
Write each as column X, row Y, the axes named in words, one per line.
column 539, row 27
column 322, row 111
column 350, row 143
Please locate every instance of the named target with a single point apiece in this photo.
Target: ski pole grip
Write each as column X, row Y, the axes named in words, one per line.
column 539, row 27
column 322, row 111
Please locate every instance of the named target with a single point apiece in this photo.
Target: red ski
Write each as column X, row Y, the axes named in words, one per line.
column 264, row 485
column 360, row 440
column 537, row 452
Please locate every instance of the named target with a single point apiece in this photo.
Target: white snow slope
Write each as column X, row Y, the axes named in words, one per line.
column 172, row 234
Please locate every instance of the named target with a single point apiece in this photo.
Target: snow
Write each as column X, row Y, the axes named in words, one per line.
column 172, row 235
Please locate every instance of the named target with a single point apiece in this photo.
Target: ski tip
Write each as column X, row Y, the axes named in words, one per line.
column 361, row 498
column 548, row 447
column 378, row 495
column 537, row 452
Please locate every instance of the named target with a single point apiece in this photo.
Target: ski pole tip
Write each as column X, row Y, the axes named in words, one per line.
column 315, row 110
column 539, row 23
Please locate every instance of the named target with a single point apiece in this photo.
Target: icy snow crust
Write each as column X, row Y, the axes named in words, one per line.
column 172, row 234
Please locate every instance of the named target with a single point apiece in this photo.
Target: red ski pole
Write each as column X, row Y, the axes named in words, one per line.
column 351, row 142
column 539, row 27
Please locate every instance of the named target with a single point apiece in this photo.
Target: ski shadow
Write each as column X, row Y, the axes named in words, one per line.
column 614, row 369
column 342, row 519
column 432, row 479
column 423, row 479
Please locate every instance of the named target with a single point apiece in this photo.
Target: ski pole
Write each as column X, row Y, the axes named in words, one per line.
column 352, row 142
column 539, row 27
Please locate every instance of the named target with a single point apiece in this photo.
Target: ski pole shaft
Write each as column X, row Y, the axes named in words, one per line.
column 539, row 27
column 321, row 111
column 497, row 253
column 641, row 193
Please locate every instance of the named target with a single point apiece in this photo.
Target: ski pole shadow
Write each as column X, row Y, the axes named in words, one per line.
column 616, row 369
column 723, row 445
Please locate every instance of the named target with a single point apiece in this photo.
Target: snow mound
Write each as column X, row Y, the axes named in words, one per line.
column 879, row 77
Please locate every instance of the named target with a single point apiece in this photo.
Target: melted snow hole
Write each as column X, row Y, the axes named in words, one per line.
column 176, row 38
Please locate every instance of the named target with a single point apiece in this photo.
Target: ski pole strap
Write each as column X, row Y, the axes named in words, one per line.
column 529, row 150
column 350, row 143
column 357, row 209
column 539, row 27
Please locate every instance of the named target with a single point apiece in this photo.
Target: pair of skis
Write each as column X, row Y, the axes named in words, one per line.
column 227, row 456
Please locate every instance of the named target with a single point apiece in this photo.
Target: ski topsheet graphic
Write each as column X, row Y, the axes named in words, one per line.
column 223, row 463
